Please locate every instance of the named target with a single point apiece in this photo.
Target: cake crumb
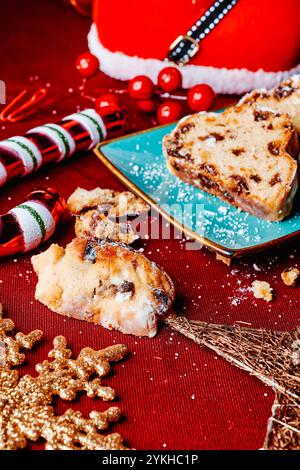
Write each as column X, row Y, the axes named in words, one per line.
column 262, row 290
column 290, row 276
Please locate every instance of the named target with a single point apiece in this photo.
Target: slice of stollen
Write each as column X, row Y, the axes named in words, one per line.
column 284, row 98
column 245, row 155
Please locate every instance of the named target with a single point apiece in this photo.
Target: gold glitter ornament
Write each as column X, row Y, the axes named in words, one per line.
column 26, row 413
column 65, row 376
column 10, row 354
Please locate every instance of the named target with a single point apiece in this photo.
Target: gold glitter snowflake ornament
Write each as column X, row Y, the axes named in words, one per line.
column 26, row 413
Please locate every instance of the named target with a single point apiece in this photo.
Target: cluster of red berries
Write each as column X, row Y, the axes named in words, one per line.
column 142, row 89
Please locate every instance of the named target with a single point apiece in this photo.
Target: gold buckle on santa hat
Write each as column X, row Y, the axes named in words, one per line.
column 183, row 49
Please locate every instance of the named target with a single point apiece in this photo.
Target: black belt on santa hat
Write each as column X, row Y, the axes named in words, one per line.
column 186, row 46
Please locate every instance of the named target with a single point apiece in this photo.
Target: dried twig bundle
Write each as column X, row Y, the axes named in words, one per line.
column 283, row 431
column 272, row 356
column 269, row 355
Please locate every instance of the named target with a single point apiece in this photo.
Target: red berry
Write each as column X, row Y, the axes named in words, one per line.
column 169, row 79
column 148, row 106
column 200, row 97
column 87, row 65
column 107, row 99
column 140, row 87
column 169, row 111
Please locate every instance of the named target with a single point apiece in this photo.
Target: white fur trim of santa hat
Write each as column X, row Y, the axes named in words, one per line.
column 227, row 81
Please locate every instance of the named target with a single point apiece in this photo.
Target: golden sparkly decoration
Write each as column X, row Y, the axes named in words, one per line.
column 272, row 356
column 26, row 413
column 10, row 354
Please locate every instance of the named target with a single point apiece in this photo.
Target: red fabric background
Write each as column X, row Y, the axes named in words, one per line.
column 173, row 394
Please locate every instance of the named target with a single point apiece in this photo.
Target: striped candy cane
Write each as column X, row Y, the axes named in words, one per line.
column 29, row 224
column 21, row 155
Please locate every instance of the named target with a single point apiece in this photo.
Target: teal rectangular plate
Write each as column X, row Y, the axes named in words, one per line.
column 137, row 160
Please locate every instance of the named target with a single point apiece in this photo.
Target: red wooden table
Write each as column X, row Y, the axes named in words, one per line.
column 173, row 394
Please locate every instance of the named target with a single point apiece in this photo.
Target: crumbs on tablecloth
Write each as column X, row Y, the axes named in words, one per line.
column 290, row 276
column 262, row 290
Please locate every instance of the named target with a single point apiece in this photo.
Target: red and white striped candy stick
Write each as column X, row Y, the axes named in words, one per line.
column 31, row 223
column 21, row 155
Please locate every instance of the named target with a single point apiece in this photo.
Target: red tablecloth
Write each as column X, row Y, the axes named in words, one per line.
column 173, row 394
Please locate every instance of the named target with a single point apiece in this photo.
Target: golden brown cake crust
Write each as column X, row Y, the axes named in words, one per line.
column 106, row 283
column 246, row 156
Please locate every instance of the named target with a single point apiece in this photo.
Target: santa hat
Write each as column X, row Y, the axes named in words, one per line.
column 240, row 44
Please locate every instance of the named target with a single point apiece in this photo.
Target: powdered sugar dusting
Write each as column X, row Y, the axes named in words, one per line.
column 141, row 159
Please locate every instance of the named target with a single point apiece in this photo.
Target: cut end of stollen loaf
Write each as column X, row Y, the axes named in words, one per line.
column 245, row 155
column 285, row 98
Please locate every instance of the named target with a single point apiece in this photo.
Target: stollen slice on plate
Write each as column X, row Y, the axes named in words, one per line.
column 247, row 156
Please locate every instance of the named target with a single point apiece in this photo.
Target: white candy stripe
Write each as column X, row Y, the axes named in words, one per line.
column 44, row 130
column 46, row 216
column 29, row 225
column 3, row 174
column 85, row 122
column 25, row 156
column 86, row 118
column 94, row 115
column 33, row 150
column 67, row 136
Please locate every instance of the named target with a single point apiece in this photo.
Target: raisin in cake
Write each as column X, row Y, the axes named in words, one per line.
column 245, row 155
column 284, row 98
column 105, row 283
